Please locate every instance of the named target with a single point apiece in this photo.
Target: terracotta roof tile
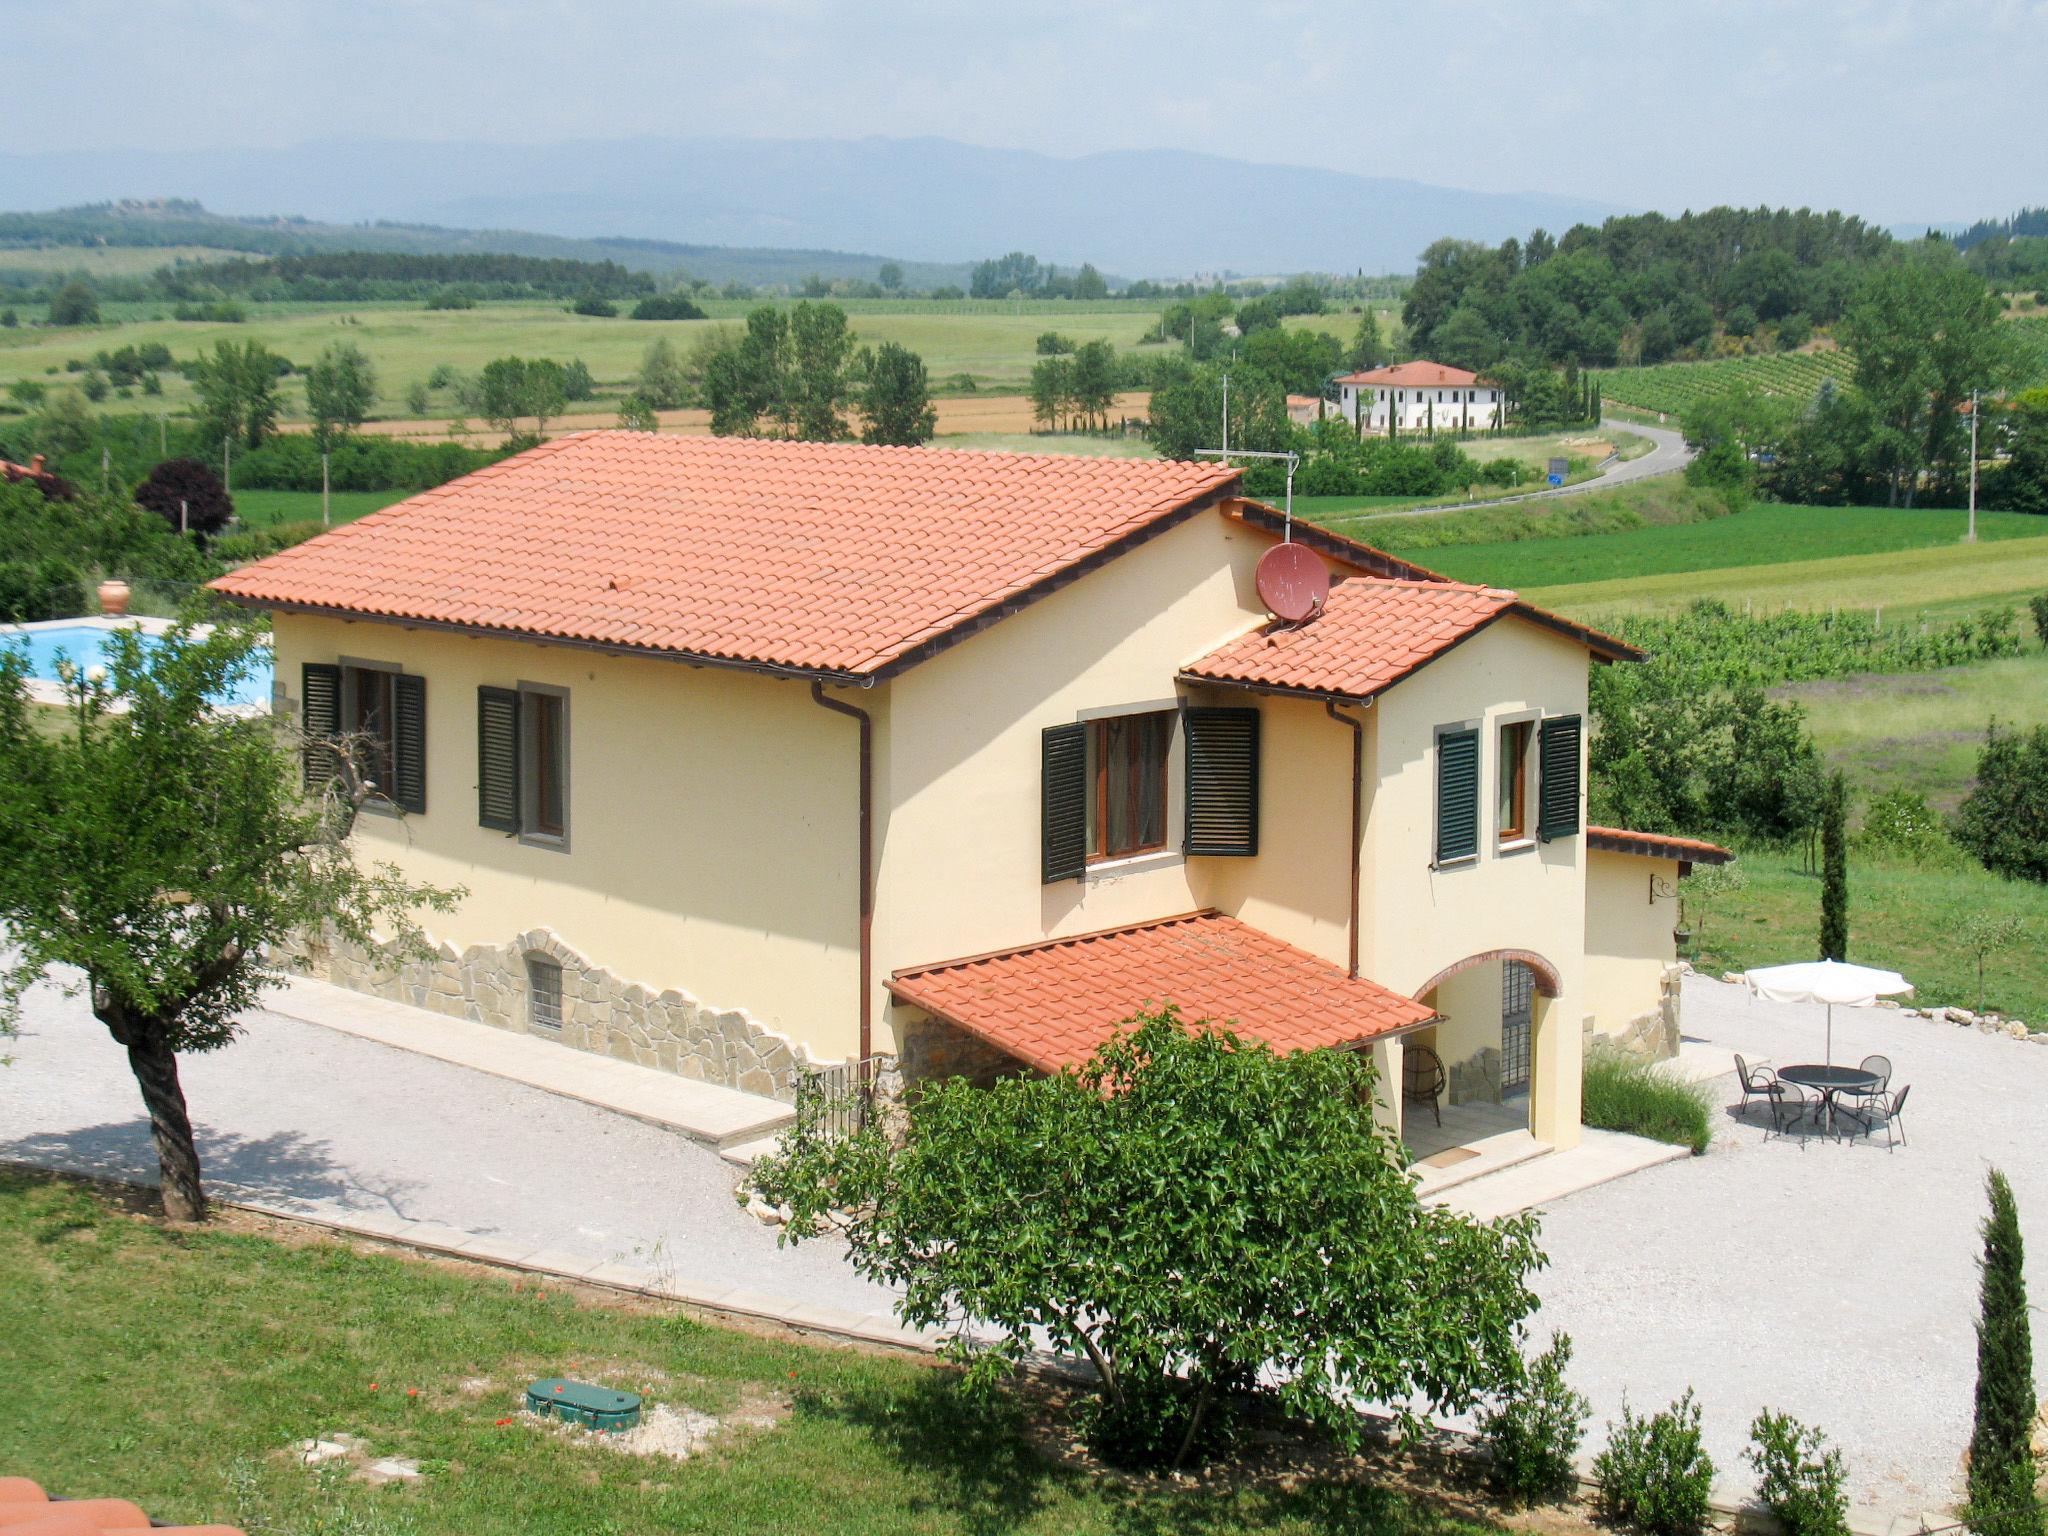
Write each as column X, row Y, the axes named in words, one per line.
column 1657, row 845
column 818, row 557
column 1052, row 1005
column 1423, row 375
column 25, row 1507
column 1371, row 633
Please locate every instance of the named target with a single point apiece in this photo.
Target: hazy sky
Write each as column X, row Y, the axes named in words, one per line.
column 1929, row 109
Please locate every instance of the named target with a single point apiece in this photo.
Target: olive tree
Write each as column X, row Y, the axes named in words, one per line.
column 155, row 847
column 1200, row 1217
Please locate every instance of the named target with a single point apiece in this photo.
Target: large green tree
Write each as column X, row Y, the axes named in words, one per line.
column 896, row 398
column 820, row 383
column 159, row 846
column 662, row 384
column 1201, row 1218
column 1925, row 332
column 238, row 389
column 1187, row 409
column 341, row 389
column 510, row 389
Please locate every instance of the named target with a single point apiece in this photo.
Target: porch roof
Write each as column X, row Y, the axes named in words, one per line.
column 1052, row 1004
column 1657, row 845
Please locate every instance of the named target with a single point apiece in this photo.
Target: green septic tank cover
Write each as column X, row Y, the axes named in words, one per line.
column 581, row 1403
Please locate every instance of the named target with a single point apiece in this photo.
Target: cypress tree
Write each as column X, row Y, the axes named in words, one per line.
column 2003, row 1499
column 1834, row 872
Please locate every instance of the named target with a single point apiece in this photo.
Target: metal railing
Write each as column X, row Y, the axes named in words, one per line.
column 844, row 1091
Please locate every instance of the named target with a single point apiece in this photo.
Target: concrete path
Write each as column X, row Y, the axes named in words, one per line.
column 1836, row 1282
column 1669, row 455
column 303, row 1120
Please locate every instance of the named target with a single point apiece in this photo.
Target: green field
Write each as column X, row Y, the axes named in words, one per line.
column 1933, row 584
column 264, row 509
column 1675, row 388
column 178, row 1368
column 1922, row 731
column 1762, row 535
column 102, row 260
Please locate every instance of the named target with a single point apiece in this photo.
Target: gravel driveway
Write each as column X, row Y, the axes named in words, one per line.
column 301, row 1118
column 1836, row 1282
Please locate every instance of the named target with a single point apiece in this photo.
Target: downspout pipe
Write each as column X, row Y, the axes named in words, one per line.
column 866, row 861
column 1357, row 812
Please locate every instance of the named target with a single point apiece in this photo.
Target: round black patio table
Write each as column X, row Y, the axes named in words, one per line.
column 1829, row 1081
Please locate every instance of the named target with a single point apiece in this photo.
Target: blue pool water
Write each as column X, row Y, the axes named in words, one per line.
column 86, row 646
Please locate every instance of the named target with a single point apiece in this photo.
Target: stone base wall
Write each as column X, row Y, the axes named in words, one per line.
column 1655, row 1035
column 928, row 1050
column 601, row 1012
column 1476, row 1079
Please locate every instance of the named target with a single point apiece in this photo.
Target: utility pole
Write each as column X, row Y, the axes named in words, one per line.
column 183, row 519
column 325, row 520
column 1971, row 536
column 1226, row 419
column 227, row 462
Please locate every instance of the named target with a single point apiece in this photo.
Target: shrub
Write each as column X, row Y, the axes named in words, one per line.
column 1534, row 1429
column 1053, row 344
column 1503, row 472
column 1655, row 1474
column 636, row 415
column 451, row 298
column 248, row 544
column 2037, row 605
column 291, row 462
column 1628, row 1093
column 595, row 304
column 418, row 400
column 1902, row 824
column 39, row 589
column 1799, row 1476
column 666, row 306
column 187, row 495
column 2004, row 818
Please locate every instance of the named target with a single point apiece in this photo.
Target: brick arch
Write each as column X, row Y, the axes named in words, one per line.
column 1548, row 982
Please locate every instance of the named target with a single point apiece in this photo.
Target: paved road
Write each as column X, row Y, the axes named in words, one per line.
column 1668, row 457
column 299, row 1118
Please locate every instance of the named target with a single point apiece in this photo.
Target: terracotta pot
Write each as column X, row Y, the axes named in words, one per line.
column 114, row 597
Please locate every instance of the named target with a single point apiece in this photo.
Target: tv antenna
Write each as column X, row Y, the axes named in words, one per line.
column 1292, row 581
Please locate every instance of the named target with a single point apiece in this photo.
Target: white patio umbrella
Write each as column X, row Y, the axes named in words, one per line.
column 1830, row 982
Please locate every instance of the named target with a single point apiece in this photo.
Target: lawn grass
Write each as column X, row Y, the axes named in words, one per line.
column 1922, row 731
column 1627, row 1093
column 1761, row 535
column 1901, row 917
column 1935, row 583
column 1418, row 536
column 168, row 1367
column 264, row 509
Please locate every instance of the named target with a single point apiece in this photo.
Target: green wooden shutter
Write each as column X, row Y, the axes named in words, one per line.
column 1063, row 823
column 320, row 720
column 1222, row 782
column 1457, row 795
column 1557, row 793
column 497, row 759
column 409, row 741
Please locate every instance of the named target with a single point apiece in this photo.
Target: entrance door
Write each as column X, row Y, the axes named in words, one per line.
column 1517, row 1018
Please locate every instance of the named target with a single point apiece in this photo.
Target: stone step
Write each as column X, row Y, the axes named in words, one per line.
column 746, row 1153
column 1494, row 1154
column 718, row 1117
column 1600, row 1157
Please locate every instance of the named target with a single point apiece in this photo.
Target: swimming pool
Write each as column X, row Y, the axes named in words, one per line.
column 84, row 643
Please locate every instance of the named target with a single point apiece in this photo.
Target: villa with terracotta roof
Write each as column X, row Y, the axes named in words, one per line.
column 1418, row 397
column 760, row 755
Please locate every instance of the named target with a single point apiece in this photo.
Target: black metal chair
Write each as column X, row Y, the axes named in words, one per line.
column 1879, row 1067
column 1423, row 1079
column 1878, row 1105
column 1757, row 1083
column 1789, row 1104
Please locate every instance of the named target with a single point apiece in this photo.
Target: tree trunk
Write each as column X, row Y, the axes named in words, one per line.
column 155, row 1066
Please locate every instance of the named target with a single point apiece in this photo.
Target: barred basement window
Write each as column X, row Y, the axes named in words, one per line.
column 544, row 994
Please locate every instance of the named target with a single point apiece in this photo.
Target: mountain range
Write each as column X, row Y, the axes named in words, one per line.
column 1161, row 213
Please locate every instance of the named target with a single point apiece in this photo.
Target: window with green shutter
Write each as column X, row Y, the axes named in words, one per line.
column 1457, row 794
column 1557, row 790
column 409, row 742
column 497, row 759
column 1063, row 802
column 320, row 721
column 1222, row 782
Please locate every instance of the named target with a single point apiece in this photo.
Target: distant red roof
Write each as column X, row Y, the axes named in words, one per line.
column 1416, row 375
column 825, row 559
column 1372, row 633
column 1657, row 845
column 1051, row 1005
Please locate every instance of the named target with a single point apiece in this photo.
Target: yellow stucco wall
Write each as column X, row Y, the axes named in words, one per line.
column 712, row 821
column 1426, row 920
column 1628, row 935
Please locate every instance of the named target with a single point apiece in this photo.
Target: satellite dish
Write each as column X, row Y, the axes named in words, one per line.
column 1292, row 582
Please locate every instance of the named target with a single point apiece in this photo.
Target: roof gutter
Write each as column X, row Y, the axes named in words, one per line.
column 866, row 866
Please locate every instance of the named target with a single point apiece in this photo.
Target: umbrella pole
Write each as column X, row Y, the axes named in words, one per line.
column 1831, row 1034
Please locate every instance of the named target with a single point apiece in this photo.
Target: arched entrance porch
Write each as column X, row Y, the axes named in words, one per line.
column 1471, row 1079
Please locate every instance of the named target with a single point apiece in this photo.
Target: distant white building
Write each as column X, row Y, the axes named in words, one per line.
column 1416, row 397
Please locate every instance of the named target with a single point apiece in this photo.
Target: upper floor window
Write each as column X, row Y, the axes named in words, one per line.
column 1127, row 775
column 1513, row 812
column 522, row 747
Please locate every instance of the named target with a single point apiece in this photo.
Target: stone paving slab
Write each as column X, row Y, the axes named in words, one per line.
column 706, row 1112
column 1599, row 1157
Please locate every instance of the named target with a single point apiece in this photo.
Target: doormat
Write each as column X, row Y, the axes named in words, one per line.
column 1450, row 1157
